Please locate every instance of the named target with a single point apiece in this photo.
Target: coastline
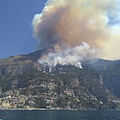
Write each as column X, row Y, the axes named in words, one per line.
column 57, row 109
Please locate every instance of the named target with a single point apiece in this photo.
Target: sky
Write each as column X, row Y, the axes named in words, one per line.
column 66, row 20
column 15, row 26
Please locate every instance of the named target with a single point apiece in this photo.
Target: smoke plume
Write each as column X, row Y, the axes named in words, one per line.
column 74, row 30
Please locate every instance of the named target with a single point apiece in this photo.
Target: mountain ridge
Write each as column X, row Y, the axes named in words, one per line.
column 66, row 87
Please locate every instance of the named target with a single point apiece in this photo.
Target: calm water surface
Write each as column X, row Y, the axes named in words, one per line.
column 59, row 115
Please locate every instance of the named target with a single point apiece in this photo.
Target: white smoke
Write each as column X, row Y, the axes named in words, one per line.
column 68, row 56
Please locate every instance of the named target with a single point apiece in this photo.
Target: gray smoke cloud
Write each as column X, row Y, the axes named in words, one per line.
column 74, row 30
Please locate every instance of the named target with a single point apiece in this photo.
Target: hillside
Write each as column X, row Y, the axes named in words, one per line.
column 26, row 84
column 110, row 71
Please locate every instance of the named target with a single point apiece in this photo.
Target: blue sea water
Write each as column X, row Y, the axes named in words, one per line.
column 58, row 115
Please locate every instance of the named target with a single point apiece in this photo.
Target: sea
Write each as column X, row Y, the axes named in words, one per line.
column 59, row 115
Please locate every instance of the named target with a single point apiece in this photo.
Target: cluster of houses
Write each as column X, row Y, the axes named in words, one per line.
column 13, row 99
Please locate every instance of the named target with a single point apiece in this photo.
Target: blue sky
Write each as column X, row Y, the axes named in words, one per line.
column 15, row 26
